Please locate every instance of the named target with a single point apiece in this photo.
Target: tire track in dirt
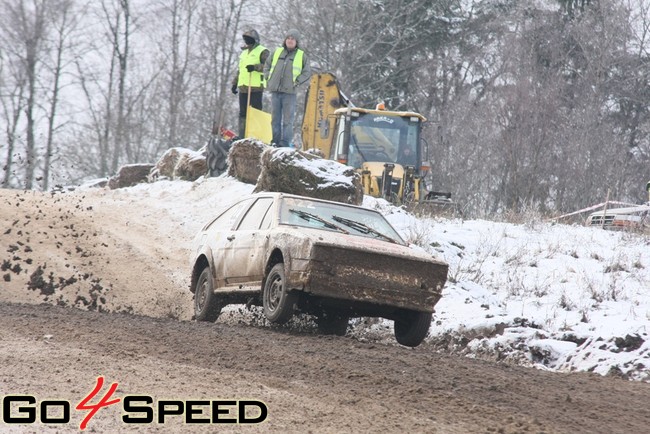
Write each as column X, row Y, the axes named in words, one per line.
column 312, row 382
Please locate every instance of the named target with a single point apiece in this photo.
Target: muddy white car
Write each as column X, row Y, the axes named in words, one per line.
column 635, row 217
column 329, row 259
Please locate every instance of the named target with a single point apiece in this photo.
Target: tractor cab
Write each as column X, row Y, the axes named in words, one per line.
column 384, row 146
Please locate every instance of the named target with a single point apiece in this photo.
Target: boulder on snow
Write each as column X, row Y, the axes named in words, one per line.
column 289, row 171
column 244, row 160
column 180, row 163
column 130, row 175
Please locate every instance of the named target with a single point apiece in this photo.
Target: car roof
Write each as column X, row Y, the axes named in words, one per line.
column 280, row 195
column 628, row 210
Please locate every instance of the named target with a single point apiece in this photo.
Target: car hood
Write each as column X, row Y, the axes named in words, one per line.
column 354, row 242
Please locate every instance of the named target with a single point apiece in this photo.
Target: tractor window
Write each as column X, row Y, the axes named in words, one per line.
column 383, row 138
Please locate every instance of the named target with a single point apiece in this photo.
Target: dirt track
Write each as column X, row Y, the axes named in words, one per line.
column 310, row 383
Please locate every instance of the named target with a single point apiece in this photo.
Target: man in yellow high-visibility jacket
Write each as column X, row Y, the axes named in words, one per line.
column 250, row 76
column 284, row 71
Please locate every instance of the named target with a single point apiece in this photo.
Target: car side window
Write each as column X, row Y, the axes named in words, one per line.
column 268, row 219
column 253, row 218
column 228, row 217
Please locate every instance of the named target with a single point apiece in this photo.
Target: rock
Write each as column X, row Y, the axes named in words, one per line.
column 629, row 343
column 244, row 160
column 289, row 171
column 180, row 163
column 130, row 175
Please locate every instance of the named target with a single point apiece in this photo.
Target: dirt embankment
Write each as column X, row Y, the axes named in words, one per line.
column 98, row 250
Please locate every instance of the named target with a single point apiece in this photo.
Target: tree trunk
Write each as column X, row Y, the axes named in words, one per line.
column 58, row 68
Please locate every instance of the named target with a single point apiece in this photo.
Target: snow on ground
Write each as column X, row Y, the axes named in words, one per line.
column 552, row 296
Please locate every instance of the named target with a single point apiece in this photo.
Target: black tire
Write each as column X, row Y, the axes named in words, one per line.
column 332, row 323
column 277, row 300
column 413, row 328
column 206, row 304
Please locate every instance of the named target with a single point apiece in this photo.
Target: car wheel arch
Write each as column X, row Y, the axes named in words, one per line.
column 276, row 257
column 200, row 264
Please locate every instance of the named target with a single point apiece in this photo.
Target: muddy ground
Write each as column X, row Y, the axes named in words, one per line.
column 91, row 285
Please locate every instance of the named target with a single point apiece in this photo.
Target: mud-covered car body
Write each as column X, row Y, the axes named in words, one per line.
column 634, row 217
column 335, row 258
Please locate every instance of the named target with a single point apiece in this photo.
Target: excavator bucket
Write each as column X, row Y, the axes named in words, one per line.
column 435, row 204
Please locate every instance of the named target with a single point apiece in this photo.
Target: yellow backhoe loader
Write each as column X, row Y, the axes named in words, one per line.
column 384, row 146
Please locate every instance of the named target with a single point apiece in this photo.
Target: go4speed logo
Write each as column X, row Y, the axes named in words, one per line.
column 136, row 409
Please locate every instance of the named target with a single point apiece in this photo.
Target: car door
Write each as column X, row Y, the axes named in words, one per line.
column 245, row 250
column 214, row 237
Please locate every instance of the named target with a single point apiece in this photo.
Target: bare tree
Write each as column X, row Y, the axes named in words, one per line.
column 186, row 51
column 175, row 49
column 104, row 83
column 219, row 38
column 63, row 26
column 119, row 22
column 13, row 84
column 537, row 125
column 24, row 27
column 197, row 54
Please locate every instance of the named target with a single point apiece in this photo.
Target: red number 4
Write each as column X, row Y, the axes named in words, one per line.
column 94, row 408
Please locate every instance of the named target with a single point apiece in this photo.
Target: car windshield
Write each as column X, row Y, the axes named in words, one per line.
column 335, row 217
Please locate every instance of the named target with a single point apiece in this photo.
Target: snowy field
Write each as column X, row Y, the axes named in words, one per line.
column 553, row 296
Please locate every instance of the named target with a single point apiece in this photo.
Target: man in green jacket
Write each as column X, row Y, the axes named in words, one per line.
column 285, row 70
column 250, row 75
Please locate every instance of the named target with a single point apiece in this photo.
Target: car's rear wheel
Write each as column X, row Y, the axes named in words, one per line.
column 206, row 304
column 412, row 328
column 277, row 300
column 332, row 323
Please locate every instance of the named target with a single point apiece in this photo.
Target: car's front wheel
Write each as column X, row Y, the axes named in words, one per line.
column 412, row 328
column 206, row 304
column 277, row 300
